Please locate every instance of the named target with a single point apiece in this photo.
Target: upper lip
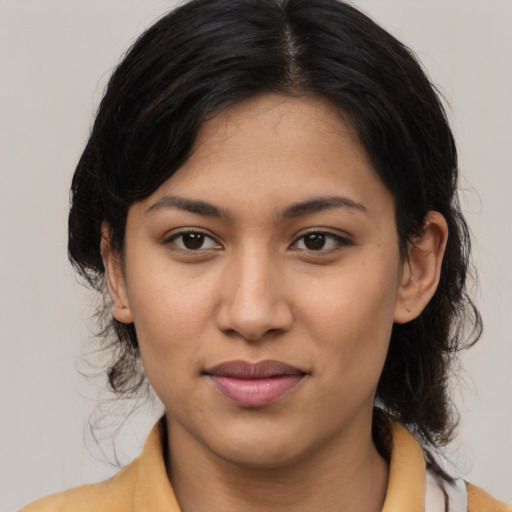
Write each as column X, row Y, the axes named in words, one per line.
column 246, row 370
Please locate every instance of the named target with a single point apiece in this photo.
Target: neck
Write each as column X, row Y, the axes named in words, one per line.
column 349, row 476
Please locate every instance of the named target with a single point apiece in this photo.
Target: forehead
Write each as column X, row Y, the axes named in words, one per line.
column 272, row 150
column 272, row 112
column 263, row 129
column 274, row 124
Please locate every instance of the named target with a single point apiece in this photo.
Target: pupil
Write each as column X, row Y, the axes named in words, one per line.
column 315, row 241
column 193, row 240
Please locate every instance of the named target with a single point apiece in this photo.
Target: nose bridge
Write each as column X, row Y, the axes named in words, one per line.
column 254, row 299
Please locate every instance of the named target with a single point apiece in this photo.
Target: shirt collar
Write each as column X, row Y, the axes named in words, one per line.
column 153, row 492
column 406, row 484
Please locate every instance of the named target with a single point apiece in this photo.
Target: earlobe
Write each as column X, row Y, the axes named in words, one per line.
column 114, row 278
column 422, row 269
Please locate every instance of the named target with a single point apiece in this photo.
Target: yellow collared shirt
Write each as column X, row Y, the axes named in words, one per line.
column 143, row 486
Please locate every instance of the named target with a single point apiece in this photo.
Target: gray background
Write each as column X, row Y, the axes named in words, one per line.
column 55, row 56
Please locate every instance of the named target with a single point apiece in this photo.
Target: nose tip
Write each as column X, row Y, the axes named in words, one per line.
column 255, row 322
column 254, row 303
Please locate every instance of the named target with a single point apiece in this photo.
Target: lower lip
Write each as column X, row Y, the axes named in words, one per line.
column 255, row 392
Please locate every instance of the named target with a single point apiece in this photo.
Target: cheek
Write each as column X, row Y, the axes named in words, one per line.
column 171, row 312
column 351, row 317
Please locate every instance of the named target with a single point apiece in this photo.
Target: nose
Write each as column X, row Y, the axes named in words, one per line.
column 254, row 301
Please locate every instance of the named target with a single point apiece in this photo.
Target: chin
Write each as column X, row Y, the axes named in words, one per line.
column 260, row 458
column 260, row 450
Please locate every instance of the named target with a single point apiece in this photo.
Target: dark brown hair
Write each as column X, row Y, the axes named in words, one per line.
column 209, row 54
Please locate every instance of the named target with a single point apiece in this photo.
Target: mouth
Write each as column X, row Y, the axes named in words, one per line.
column 254, row 384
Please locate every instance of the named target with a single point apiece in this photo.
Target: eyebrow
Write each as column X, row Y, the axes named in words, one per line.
column 318, row 204
column 313, row 205
column 189, row 205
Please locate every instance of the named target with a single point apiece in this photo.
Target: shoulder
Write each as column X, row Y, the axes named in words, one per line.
column 113, row 495
column 412, row 487
column 480, row 501
column 142, row 485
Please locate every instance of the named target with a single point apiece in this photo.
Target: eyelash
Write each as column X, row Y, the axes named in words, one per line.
column 339, row 241
column 172, row 239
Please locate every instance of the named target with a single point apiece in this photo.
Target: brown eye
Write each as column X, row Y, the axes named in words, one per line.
column 193, row 241
column 320, row 241
column 314, row 241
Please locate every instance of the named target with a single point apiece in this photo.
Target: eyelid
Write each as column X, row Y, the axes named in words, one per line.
column 170, row 237
column 343, row 240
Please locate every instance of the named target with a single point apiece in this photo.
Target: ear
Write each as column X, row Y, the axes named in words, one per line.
column 115, row 278
column 421, row 269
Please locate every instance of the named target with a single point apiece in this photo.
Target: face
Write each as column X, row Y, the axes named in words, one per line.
column 263, row 279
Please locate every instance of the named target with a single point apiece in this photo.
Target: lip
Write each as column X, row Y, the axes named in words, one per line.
column 254, row 384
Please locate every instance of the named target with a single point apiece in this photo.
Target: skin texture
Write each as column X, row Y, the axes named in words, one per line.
column 256, row 289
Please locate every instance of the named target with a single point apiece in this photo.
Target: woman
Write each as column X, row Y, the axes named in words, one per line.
column 269, row 196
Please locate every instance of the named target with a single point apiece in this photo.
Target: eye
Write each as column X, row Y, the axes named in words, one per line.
column 320, row 241
column 193, row 241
